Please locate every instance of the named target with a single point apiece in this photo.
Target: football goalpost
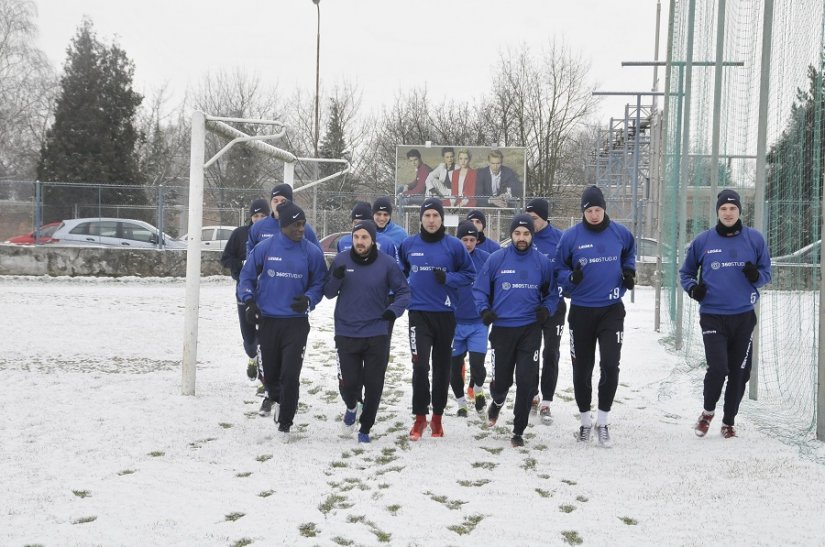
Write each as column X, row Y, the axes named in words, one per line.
column 201, row 123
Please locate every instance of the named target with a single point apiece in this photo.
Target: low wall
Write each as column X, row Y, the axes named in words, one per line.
column 55, row 260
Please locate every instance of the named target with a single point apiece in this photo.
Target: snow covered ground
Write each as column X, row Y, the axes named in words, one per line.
column 97, row 446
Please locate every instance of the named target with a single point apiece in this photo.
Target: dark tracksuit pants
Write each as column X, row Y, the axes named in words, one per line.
column 248, row 332
column 362, row 364
column 283, row 341
column 727, row 340
column 430, row 333
column 478, row 374
column 552, row 329
column 515, row 349
column 589, row 326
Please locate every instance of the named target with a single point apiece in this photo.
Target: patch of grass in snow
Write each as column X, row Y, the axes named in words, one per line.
column 397, row 426
column 81, row 493
column 568, row 481
column 484, row 465
column 330, row 396
column 338, row 464
column 384, row 459
column 126, row 472
column 629, row 521
column 250, row 402
column 493, row 451
column 354, row 519
column 467, row 526
column 243, row 542
column 314, row 390
column 445, row 501
column 84, row 520
column 225, row 425
column 540, row 447
column 346, row 455
column 565, row 398
column 263, row 457
column 266, row 493
column 395, row 468
column 232, row 517
column 529, row 464
column 243, row 474
column 403, row 442
column 156, row 453
column 544, row 493
column 380, row 535
column 471, row 484
column 582, row 499
column 338, row 540
column 333, row 501
column 357, row 451
column 543, row 476
column 393, row 509
column 567, row 508
column 308, row 529
column 383, row 486
column 252, row 414
column 571, row 537
column 482, row 435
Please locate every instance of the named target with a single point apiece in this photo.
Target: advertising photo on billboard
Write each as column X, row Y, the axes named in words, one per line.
column 461, row 176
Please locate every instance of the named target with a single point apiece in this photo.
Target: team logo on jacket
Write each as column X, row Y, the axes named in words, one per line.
column 505, row 286
column 715, row 265
column 583, row 261
column 414, row 268
column 270, row 273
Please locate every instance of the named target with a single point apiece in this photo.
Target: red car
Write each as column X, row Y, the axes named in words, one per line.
column 46, row 232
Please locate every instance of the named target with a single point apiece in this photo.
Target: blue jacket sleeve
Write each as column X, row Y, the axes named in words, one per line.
column 402, row 258
column 399, row 286
column 481, row 286
column 551, row 300
column 248, row 280
column 629, row 252
column 564, row 262
column 333, row 285
column 690, row 268
column 317, row 274
column 465, row 272
column 763, row 258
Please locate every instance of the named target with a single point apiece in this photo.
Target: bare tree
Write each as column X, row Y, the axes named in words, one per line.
column 27, row 89
column 538, row 101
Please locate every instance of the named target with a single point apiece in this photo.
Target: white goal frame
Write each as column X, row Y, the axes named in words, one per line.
column 201, row 122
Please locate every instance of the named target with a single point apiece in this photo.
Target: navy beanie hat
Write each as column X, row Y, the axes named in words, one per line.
column 361, row 211
column 593, row 197
column 540, row 207
column 434, row 204
column 475, row 213
column 289, row 213
column 258, row 206
column 382, row 204
column 466, row 228
column 367, row 225
column 282, row 190
column 522, row 220
column 728, row 196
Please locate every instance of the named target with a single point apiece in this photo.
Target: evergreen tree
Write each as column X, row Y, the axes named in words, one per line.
column 341, row 191
column 93, row 138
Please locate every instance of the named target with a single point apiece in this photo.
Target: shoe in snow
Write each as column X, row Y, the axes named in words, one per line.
column 583, row 434
column 266, row 407
column 728, row 431
column 546, row 417
column 436, row 427
column 604, row 436
column 418, row 427
column 492, row 413
column 702, row 424
column 517, row 441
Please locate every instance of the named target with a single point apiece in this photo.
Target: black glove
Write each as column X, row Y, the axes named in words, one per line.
column 440, row 276
column 751, row 272
column 544, row 289
column 698, row 292
column 628, row 279
column 388, row 315
column 339, row 272
column 253, row 314
column 542, row 314
column 487, row 317
column 577, row 274
column 300, row 303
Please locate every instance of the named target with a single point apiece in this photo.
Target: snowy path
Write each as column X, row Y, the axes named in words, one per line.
column 97, row 446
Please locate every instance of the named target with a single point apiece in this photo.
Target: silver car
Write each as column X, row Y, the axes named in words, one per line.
column 113, row 232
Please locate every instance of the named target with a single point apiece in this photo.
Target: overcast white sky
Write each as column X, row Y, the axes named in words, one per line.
column 384, row 46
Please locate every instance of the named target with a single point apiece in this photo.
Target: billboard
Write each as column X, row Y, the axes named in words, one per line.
column 461, row 176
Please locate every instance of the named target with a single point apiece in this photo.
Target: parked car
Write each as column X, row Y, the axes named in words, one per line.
column 46, row 232
column 213, row 238
column 329, row 244
column 113, row 232
column 807, row 255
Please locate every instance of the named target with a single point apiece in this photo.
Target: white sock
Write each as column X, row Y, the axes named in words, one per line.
column 586, row 419
column 601, row 418
column 708, row 412
column 462, row 401
column 353, row 409
column 545, row 402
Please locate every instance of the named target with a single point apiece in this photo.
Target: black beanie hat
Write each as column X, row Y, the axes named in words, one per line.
column 382, row 204
column 728, row 196
column 282, row 190
column 522, row 219
column 258, row 206
column 593, row 197
column 466, row 228
column 361, row 211
column 367, row 225
column 475, row 213
column 540, row 207
column 434, row 204
column 289, row 213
